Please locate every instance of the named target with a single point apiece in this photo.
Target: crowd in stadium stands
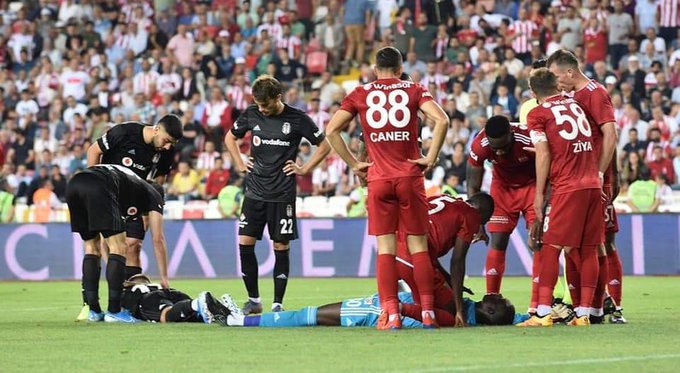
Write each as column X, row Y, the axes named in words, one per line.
column 70, row 70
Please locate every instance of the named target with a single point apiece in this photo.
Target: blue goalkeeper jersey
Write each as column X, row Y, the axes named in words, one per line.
column 366, row 311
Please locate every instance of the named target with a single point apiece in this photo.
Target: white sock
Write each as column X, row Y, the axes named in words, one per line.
column 194, row 305
column 582, row 311
column 430, row 313
column 235, row 320
column 255, row 300
column 274, row 305
column 597, row 311
column 543, row 310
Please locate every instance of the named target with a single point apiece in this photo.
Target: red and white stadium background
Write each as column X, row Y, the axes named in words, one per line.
column 648, row 245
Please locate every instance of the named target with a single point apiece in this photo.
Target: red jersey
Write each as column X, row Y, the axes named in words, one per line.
column 388, row 109
column 595, row 101
column 563, row 124
column 450, row 218
column 595, row 45
column 513, row 170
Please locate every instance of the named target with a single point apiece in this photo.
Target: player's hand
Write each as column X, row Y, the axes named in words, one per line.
column 361, row 169
column 481, row 236
column 460, row 321
column 529, row 149
column 536, row 235
column 291, row 168
column 424, row 164
column 165, row 283
column 247, row 167
column 538, row 205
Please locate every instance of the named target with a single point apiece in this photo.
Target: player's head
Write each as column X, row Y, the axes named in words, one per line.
column 494, row 310
column 564, row 64
column 267, row 94
column 499, row 134
column 543, row 84
column 168, row 131
column 484, row 204
column 388, row 62
column 138, row 279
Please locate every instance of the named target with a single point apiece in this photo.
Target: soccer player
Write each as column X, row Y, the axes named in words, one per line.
column 595, row 100
column 388, row 108
column 565, row 154
column 100, row 199
column 270, row 186
column 365, row 312
column 512, row 188
column 151, row 302
column 145, row 150
column 453, row 225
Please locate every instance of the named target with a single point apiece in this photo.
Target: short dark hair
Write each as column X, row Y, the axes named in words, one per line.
column 543, row 82
column 497, row 126
column 563, row 57
column 172, row 125
column 266, row 88
column 633, row 129
column 388, row 58
column 504, row 311
column 539, row 63
column 484, row 203
column 405, row 76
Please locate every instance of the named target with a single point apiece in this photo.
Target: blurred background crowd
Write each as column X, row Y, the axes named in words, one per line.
column 70, row 70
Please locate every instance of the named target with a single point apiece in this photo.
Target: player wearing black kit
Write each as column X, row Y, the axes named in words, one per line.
column 270, row 187
column 146, row 150
column 100, row 200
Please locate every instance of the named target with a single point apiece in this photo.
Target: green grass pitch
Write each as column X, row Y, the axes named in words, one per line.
column 38, row 334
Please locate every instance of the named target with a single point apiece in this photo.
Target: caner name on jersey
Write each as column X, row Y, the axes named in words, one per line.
column 390, row 136
column 582, row 146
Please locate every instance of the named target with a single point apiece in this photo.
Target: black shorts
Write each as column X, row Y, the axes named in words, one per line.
column 93, row 207
column 153, row 303
column 135, row 228
column 278, row 216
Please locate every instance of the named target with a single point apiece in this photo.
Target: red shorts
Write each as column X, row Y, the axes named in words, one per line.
column 573, row 219
column 397, row 204
column 443, row 295
column 509, row 203
column 611, row 221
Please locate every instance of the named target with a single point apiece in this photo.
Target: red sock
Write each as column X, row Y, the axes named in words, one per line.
column 535, row 275
column 550, row 270
column 603, row 275
column 574, row 276
column 494, row 269
column 590, row 269
column 414, row 311
column 423, row 274
column 387, row 283
column 615, row 283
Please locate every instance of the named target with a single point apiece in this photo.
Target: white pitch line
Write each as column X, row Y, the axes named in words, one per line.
column 551, row 363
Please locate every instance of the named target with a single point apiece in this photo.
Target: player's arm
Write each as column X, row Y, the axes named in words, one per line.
column 340, row 121
column 94, row 154
column 460, row 251
column 543, row 160
column 608, row 146
column 235, row 154
column 474, row 175
column 159, row 246
column 434, row 114
column 292, row 168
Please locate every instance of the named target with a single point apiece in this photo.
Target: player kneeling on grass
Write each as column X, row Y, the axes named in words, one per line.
column 100, row 199
column 151, row 302
column 365, row 312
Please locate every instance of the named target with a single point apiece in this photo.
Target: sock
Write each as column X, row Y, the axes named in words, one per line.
column 423, row 273
column 494, row 269
column 194, row 305
column 550, row 268
column 615, row 282
column 288, row 319
column 601, row 285
column 581, row 311
column 249, row 269
column 589, row 273
column 181, row 312
column 115, row 275
column 131, row 271
column 535, row 276
column 573, row 261
column 281, row 271
column 414, row 311
column 91, row 273
column 387, row 284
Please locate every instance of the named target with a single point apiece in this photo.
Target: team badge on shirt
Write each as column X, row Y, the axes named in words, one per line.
column 289, row 211
column 127, row 161
column 132, row 211
column 285, row 128
column 256, row 140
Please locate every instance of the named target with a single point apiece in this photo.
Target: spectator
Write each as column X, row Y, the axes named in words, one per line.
column 331, row 36
column 423, row 38
column 661, row 165
column 218, row 118
column 402, row 31
column 658, row 43
column 185, row 184
column 676, row 164
column 288, row 71
column 452, row 185
column 646, row 12
column 356, row 206
column 230, row 199
column 7, row 202
column 181, row 46
column 217, row 180
column 142, row 110
column 45, row 201
column 633, row 50
column 36, row 183
column 620, row 27
column 634, row 76
column 329, row 90
column 595, row 42
column 58, row 182
column 666, row 125
column 208, row 158
column 413, row 64
column 663, row 191
column 63, row 159
column 642, row 195
column 569, row 29
column 357, row 15
column 512, row 63
column 169, row 82
column 78, row 161
column 325, row 179
column 507, row 101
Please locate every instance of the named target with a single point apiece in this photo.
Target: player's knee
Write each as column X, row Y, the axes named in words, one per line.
column 134, row 248
column 281, row 246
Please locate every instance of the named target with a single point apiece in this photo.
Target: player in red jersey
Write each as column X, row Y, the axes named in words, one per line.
column 512, row 188
column 453, row 225
column 565, row 154
column 388, row 109
column 595, row 100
